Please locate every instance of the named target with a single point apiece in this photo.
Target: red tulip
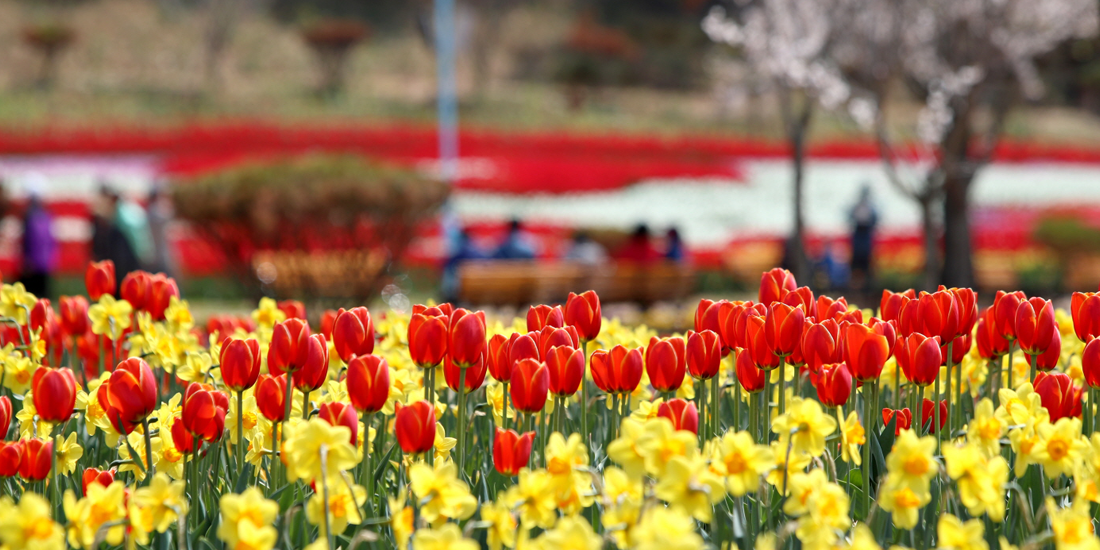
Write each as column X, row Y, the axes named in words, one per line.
column 1049, row 358
column 44, row 320
column 541, row 316
column 775, row 284
column 828, row 308
column 11, row 457
column 919, row 358
column 550, row 337
column 583, row 313
column 703, row 354
column 736, row 329
column 204, row 412
column 525, row 346
column 36, row 459
column 566, row 367
column 904, row 416
column 1090, row 363
column 182, row 439
column 511, row 451
column 752, row 379
column 92, row 475
column 530, row 386
column 475, row 374
column 131, row 394
column 682, row 414
column 1004, row 311
column 136, row 288
column 989, row 340
column 959, row 348
column 414, row 426
column 289, row 347
column 368, row 382
column 341, row 414
column 967, row 301
column 74, row 315
column 910, row 319
column 292, row 308
column 617, row 371
column 161, row 291
column 314, row 373
column 240, row 363
column 928, row 415
column 783, row 328
column 328, row 320
column 466, row 337
column 1085, row 309
column 1058, row 393
column 804, row 297
column 866, row 349
column 445, row 309
column 1035, row 325
column 5, row 416
column 271, row 396
column 820, row 344
column 892, row 304
column 714, row 316
column 834, row 385
column 99, row 279
column 939, row 314
column 428, row 337
column 498, row 358
column 756, row 343
column 353, row 333
column 666, row 363
column 54, row 393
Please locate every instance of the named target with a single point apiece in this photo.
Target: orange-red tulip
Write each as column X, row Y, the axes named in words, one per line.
column 834, row 385
column 414, row 426
column 5, row 416
column 161, row 290
column 498, row 358
column 1035, row 325
column 804, row 297
column 93, row 475
column 314, row 373
column 368, row 382
column 618, row 370
column 715, row 316
column 582, row 312
column 735, row 333
column 1090, row 364
column 136, row 287
column 866, row 349
column 328, row 320
column 666, row 363
column 1085, row 309
column 341, row 414
column 939, row 314
column 752, row 379
column 428, row 336
column 271, row 396
column 54, row 393
column 99, row 279
column 36, row 459
column 928, row 415
column 289, row 347
column 1005, row 305
column 466, row 337
column 475, row 374
column 204, row 410
column 703, row 354
column 183, row 439
column 11, row 457
column 566, row 367
column 240, row 363
column 74, row 314
column 682, row 414
column 892, row 304
column 44, row 321
column 524, row 346
column 542, row 315
column 775, row 284
column 904, row 419
column 511, row 451
column 530, row 385
column 550, row 337
column 959, row 348
column 783, row 328
column 353, row 333
column 1049, row 359
column 828, row 308
column 756, row 343
column 967, row 301
column 919, row 357
column 821, row 344
column 1058, row 393
column 989, row 340
column 292, row 308
column 131, row 394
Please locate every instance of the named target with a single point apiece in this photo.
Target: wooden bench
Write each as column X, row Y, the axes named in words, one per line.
column 328, row 274
column 532, row 282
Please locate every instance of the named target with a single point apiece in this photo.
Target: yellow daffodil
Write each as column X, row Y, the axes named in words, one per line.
column 852, row 436
column 980, row 479
column 572, row 533
column 1072, row 526
column 268, row 313
column 863, row 538
column 16, row 302
column 447, row 537
column 501, row 530
column 442, row 494
column 18, row 372
column 304, row 445
column 563, row 455
column 157, row 506
column 401, row 519
column 178, row 315
column 659, row 443
column 804, row 426
column 29, row 524
column 828, row 515
column 110, row 317
column 102, row 505
column 801, row 487
column 903, row 504
column 533, row 498
column 911, row 462
column 688, row 484
column 247, row 513
column 780, row 475
column 666, row 529
column 624, row 449
column 1025, row 442
column 953, row 533
column 443, row 444
column 68, row 453
column 344, row 504
column 1020, row 406
column 1061, row 447
column 741, row 462
column 986, row 429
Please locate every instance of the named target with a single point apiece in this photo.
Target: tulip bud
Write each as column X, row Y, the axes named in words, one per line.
column 618, row 371
column 682, row 414
column 775, row 284
column 511, row 451
column 1085, row 310
column 498, row 358
column 74, row 315
column 919, row 358
column 131, row 394
column 1058, row 393
column 583, row 313
column 353, row 334
column 11, row 457
column 541, row 316
column 866, row 349
column 904, row 419
column 475, row 374
column 891, row 304
column 328, row 320
column 271, row 397
column 92, row 475
column 341, row 414
column 136, row 288
column 666, row 363
column 240, row 363
column 1050, row 358
column 428, row 337
column 1035, row 325
column 820, row 344
column 530, row 386
column 36, row 459
column 990, row 343
column 1090, row 363
column 828, row 308
column 161, row 291
column 714, row 316
column 368, row 382
column 750, row 376
column 967, row 301
column 414, row 426
column 834, row 385
column 703, row 354
column 523, row 346
column 736, row 328
column 804, row 297
column 550, row 337
column 466, row 337
column 566, row 368
column 5, row 416
column 756, row 343
column 289, row 348
column 783, row 328
column 99, row 279
column 183, row 440
column 292, row 308
column 1004, row 311
column 928, row 415
column 54, row 393
column 204, row 412
column 314, row 373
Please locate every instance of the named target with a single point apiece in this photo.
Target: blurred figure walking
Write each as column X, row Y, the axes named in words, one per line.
column 674, row 246
column 39, row 245
column 585, row 250
column 109, row 242
column 639, row 248
column 517, row 244
column 160, row 216
column 864, row 218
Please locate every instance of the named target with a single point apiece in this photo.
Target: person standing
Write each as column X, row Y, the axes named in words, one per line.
column 108, row 241
column 864, row 218
column 39, row 245
column 160, row 216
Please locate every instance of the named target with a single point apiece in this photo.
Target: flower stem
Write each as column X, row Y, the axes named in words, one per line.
column 754, row 416
column 584, row 393
column 866, row 465
column 324, row 488
column 461, row 419
column 369, row 481
column 287, row 407
column 148, row 451
column 505, row 405
column 782, row 385
column 305, row 405
column 240, row 432
column 716, row 399
column 702, row 399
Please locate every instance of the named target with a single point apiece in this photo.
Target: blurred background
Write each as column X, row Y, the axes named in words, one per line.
column 500, row 153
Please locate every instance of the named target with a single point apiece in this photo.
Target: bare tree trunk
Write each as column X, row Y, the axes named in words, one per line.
column 797, row 127
column 931, row 242
column 958, row 263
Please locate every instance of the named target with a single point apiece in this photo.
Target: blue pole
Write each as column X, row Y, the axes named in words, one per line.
column 447, row 101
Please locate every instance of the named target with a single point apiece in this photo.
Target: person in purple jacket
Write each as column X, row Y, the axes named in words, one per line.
column 39, row 245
